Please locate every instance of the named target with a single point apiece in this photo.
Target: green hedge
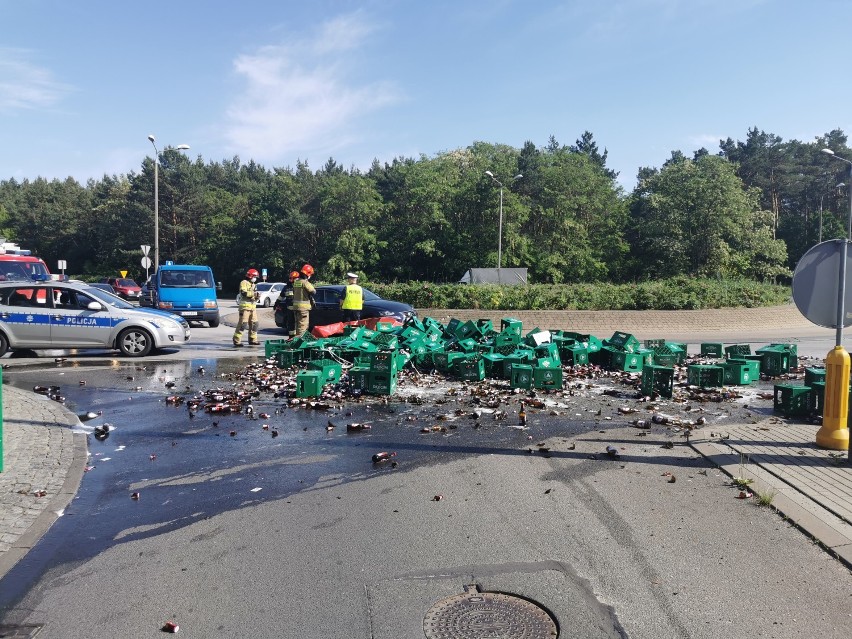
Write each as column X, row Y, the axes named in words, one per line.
column 666, row 295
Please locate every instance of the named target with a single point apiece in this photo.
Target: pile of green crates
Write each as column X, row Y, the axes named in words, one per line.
column 474, row 350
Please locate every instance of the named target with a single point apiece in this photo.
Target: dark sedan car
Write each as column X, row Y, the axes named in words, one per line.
column 327, row 310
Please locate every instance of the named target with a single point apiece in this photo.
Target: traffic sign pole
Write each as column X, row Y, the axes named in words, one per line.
column 819, row 291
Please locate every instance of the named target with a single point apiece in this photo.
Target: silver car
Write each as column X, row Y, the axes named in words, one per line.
column 41, row 315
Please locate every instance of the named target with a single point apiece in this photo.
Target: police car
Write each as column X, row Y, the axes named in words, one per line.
column 68, row 315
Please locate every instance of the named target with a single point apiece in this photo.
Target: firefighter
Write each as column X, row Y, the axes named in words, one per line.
column 303, row 299
column 287, row 293
column 247, row 305
column 352, row 299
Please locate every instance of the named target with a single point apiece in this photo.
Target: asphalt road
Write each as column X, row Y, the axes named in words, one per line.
column 302, row 536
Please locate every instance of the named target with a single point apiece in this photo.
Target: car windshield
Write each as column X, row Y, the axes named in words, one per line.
column 264, row 287
column 108, row 298
column 125, row 282
column 185, row 279
column 26, row 271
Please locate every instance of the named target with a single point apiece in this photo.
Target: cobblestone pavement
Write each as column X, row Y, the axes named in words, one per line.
column 44, row 459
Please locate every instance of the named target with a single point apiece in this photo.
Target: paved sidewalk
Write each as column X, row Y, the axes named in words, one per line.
column 44, row 459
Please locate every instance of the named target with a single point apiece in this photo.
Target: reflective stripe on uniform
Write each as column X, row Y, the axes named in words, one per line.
column 301, row 295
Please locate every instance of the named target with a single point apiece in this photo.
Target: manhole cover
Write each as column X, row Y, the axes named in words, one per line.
column 487, row 615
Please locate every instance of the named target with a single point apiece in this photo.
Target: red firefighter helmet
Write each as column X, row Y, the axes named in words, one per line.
column 252, row 272
column 294, row 275
column 308, row 270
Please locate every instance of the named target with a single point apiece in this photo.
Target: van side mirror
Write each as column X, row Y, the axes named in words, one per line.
column 218, row 286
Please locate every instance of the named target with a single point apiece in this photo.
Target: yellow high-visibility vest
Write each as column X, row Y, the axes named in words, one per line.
column 354, row 298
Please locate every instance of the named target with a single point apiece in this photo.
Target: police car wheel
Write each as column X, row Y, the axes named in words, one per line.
column 134, row 342
column 4, row 345
column 267, row 303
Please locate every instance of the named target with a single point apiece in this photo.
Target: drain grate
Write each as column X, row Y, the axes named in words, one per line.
column 488, row 615
column 27, row 631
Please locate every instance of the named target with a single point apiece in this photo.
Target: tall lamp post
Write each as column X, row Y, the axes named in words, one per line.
column 500, row 227
column 179, row 147
column 834, row 432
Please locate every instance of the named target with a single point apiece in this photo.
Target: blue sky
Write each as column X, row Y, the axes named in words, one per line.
column 82, row 84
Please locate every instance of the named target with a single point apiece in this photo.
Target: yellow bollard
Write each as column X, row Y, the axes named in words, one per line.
column 834, row 432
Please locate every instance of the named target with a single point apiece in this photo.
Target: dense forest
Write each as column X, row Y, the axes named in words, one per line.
column 748, row 210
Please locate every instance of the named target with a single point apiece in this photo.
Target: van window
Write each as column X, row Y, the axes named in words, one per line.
column 186, row 279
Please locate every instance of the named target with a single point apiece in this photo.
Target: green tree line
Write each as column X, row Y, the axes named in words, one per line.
column 749, row 210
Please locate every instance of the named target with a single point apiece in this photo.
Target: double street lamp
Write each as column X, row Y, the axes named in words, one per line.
column 179, row 147
column 500, row 227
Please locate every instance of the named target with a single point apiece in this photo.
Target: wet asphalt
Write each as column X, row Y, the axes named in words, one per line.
column 302, row 536
column 235, row 531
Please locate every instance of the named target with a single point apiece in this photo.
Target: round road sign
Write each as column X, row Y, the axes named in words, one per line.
column 816, row 284
column 146, row 262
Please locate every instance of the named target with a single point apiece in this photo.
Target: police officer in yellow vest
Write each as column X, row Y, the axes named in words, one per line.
column 303, row 293
column 247, row 305
column 352, row 299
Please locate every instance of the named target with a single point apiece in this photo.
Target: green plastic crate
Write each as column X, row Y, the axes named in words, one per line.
column 814, row 374
column 381, row 384
column 288, row 358
column 705, row 376
column 657, row 379
column 273, row 346
column 590, row 342
column 624, row 341
column 493, row 363
column 740, row 372
column 470, row 369
column 309, row 383
column 444, row 361
column 574, row 356
column 486, row 327
column 791, row 400
column 547, row 377
column 816, row 398
column 330, row 369
column 510, row 325
column 711, row 349
column 518, row 357
column 521, row 376
column 777, row 359
column 359, row 377
column 736, row 351
column 384, row 362
column 615, row 359
column 774, row 363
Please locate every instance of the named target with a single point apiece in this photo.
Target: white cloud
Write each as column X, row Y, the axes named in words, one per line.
column 299, row 97
column 25, row 85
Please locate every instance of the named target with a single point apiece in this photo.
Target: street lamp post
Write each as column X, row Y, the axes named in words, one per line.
column 500, row 225
column 834, row 431
column 180, row 147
